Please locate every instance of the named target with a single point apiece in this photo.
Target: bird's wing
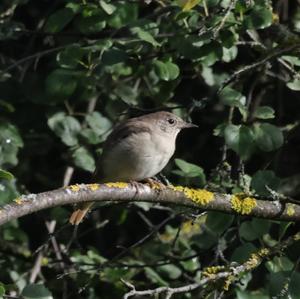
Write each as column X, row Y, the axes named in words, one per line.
column 119, row 133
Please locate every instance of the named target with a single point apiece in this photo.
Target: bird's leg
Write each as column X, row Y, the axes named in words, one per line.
column 155, row 183
column 137, row 187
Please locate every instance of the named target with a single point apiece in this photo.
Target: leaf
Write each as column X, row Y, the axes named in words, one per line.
column 83, row 159
column 218, row 222
column 10, row 143
column 2, row 290
column 190, row 170
column 260, row 17
column 107, row 7
column 240, row 139
column 263, row 178
column 279, row 263
column 70, row 56
column 171, row 271
column 243, row 252
column 268, row 137
column 127, row 94
column 60, row 84
column 187, row 5
column 60, row 19
column 6, row 175
column 113, row 56
column 154, row 277
column 145, row 36
column 250, row 295
column 91, row 20
column 65, row 127
column 254, row 229
column 36, row 291
column 166, row 71
column 294, row 85
column 232, row 97
column 98, row 123
column 264, row 112
column 124, row 14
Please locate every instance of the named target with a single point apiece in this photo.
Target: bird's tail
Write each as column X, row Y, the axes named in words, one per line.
column 80, row 213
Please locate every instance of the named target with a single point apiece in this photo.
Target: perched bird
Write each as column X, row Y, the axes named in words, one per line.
column 137, row 149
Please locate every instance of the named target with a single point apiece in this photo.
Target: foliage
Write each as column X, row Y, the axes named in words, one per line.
column 71, row 69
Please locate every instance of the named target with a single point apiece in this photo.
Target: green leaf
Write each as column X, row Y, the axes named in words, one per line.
column 259, row 18
column 268, row 137
column 295, row 60
column 294, row 85
column 166, row 71
column 10, row 143
column 125, row 14
column 60, row 84
column 279, row 263
column 254, row 229
column 154, row 277
column 57, row 21
column 243, row 252
column 127, row 94
column 232, row 97
column 240, row 139
column 264, row 112
column 107, row 7
column 70, row 56
column 113, row 56
column 65, row 127
column 2, row 290
column 171, row 271
column 229, row 54
column 36, row 291
column 6, row 175
column 91, row 20
column 294, row 285
column 263, row 178
column 190, row 170
column 145, row 36
column 101, row 125
column 83, row 159
column 250, row 295
column 218, row 222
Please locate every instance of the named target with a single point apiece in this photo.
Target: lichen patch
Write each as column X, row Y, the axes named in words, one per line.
column 117, row 185
column 290, row 209
column 243, row 205
column 200, row 196
column 93, row 187
column 74, row 188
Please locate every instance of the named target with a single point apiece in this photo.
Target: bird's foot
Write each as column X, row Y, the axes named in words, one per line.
column 155, row 183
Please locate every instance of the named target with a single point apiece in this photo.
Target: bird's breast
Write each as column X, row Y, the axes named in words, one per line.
column 138, row 157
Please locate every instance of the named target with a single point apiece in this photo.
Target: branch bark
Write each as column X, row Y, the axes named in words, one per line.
column 123, row 192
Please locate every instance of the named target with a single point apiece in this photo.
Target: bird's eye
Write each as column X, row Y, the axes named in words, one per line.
column 171, row 121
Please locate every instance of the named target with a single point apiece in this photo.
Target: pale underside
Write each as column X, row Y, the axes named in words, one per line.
column 137, row 157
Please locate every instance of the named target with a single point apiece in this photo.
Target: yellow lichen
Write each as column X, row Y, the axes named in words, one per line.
column 290, row 210
column 74, row 188
column 243, row 205
column 93, row 187
column 117, row 185
column 228, row 282
column 211, row 271
column 253, row 261
column 263, row 252
column 200, row 196
column 18, row 200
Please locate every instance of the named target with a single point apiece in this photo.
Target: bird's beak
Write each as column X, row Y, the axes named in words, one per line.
column 186, row 125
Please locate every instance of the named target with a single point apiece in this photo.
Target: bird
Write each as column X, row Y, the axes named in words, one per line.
column 136, row 150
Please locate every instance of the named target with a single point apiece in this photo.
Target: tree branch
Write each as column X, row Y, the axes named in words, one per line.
column 123, row 192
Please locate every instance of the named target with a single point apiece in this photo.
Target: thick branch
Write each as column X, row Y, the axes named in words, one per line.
column 123, row 192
